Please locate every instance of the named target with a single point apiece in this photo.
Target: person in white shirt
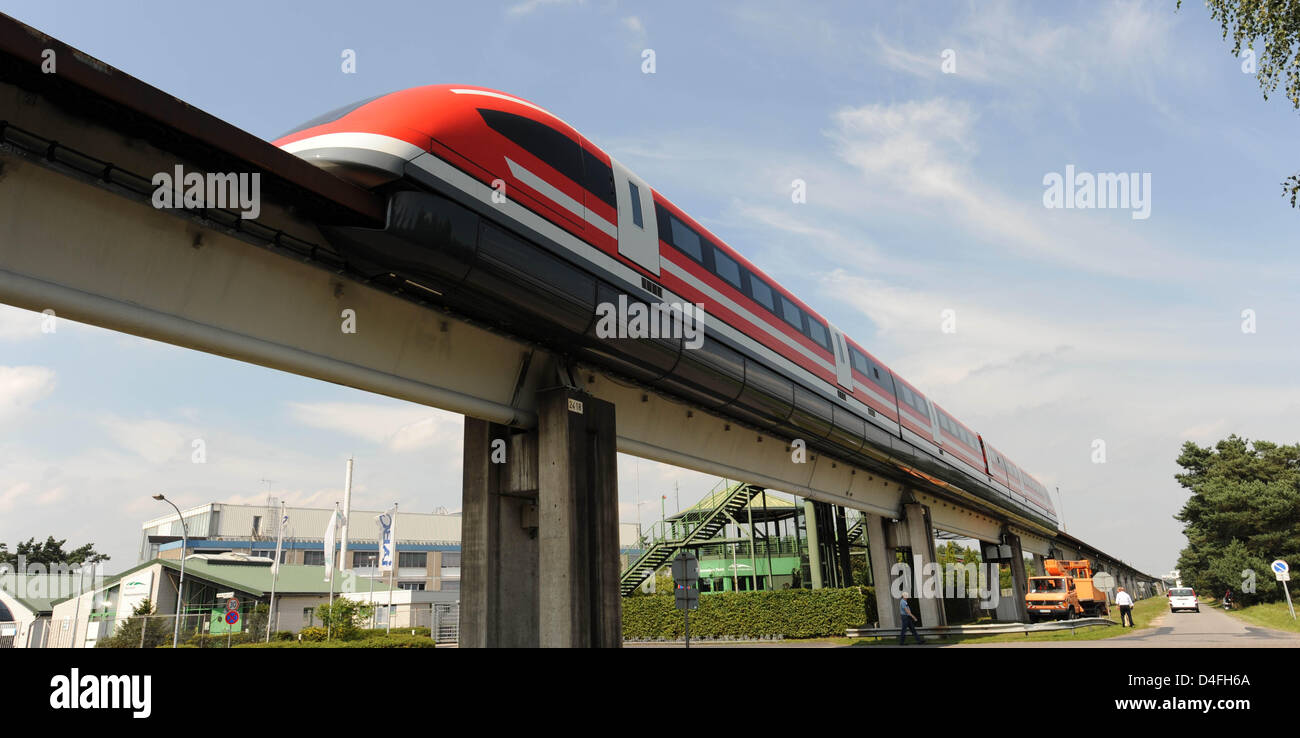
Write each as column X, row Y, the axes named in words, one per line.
column 1125, row 602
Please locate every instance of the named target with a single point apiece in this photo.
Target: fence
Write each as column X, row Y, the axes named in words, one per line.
column 438, row 621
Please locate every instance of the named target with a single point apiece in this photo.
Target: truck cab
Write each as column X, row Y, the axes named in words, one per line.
column 1052, row 597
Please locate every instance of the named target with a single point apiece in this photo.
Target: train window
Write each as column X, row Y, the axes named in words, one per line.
column 859, row 361
column 726, row 267
column 636, row 204
column 685, row 239
column 557, row 150
column 599, row 179
column 817, row 332
column 761, row 293
column 329, row 117
column 791, row 313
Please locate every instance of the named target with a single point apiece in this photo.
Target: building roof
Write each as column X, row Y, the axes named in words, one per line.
column 778, row 507
column 255, row 578
column 38, row 605
column 222, row 521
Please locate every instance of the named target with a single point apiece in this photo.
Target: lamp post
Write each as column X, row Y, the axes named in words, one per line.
column 180, row 587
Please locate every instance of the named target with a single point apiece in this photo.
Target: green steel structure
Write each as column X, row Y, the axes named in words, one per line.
column 749, row 539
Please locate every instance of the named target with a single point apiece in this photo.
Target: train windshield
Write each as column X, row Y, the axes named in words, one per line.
column 329, row 117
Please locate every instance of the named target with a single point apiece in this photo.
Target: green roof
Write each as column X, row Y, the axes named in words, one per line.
column 256, row 580
column 38, row 605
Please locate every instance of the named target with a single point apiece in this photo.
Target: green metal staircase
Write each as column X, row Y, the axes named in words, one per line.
column 858, row 529
column 692, row 527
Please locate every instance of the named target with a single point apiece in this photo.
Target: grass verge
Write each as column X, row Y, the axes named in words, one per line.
column 1270, row 615
column 1144, row 612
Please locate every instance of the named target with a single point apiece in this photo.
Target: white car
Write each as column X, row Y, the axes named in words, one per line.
column 1183, row 598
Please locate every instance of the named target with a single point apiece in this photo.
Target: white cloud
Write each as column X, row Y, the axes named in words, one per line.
column 528, row 6
column 21, row 387
column 155, row 441
column 396, row 427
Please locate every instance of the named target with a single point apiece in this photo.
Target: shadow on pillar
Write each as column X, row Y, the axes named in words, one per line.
column 539, row 562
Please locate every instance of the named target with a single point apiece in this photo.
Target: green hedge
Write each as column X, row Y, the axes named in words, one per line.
column 393, row 641
column 791, row 613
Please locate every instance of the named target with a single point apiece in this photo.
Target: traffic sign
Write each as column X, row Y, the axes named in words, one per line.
column 1281, row 570
column 687, row 598
column 686, row 569
column 232, row 604
column 1103, row 581
column 232, row 617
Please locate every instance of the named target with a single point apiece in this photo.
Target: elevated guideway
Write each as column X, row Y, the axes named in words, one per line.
column 79, row 236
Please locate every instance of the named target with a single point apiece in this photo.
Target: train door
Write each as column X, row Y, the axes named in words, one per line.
column 843, row 369
column 638, row 229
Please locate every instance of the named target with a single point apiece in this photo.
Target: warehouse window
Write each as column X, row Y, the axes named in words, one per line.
column 412, row 559
column 313, row 558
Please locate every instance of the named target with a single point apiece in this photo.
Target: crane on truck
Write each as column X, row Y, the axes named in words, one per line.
column 1065, row 592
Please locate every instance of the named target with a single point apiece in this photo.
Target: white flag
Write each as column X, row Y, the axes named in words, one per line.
column 279, row 539
column 330, row 531
column 387, row 539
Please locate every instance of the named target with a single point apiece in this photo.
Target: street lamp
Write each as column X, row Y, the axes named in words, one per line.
column 180, row 587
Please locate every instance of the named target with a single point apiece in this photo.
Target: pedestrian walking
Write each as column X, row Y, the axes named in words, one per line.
column 907, row 622
column 1125, row 602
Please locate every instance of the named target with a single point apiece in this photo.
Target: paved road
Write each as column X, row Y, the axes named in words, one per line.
column 1209, row 628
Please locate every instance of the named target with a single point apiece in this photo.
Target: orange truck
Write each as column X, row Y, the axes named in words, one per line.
column 1065, row 592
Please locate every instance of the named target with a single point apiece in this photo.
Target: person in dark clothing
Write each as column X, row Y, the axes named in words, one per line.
column 907, row 621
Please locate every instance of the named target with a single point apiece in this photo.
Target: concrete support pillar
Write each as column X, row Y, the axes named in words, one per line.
column 1039, row 569
column 882, row 558
column 499, row 554
column 1019, row 579
column 540, row 529
column 578, row 521
column 814, row 542
column 920, row 537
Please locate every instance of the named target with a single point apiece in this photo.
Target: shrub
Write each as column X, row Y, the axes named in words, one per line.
column 343, row 618
column 394, row 641
column 283, row 635
column 790, row 613
column 311, row 634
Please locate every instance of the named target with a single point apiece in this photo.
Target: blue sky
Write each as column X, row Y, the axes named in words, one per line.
column 924, row 193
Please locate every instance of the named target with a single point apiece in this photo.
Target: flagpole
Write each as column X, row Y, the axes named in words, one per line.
column 275, row 572
column 329, row 555
column 391, row 571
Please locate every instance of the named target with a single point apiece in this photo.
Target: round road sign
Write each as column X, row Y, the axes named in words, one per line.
column 232, row 617
column 1281, row 566
column 232, row 603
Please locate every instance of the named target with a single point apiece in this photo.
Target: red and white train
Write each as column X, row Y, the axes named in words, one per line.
column 500, row 210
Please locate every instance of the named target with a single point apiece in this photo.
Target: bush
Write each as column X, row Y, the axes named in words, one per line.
column 394, row 641
column 790, row 613
column 220, row 640
column 381, row 632
column 312, row 634
column 343, row 618
column 283, row 635
column 140, row 629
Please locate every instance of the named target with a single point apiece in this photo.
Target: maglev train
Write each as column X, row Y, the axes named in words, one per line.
column 501, row 211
